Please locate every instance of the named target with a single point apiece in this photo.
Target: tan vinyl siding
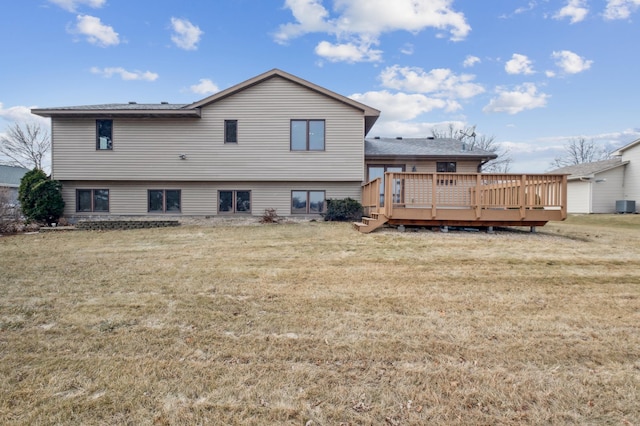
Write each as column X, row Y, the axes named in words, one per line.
column 200, row 198
column 425, row 166
column 149, row 149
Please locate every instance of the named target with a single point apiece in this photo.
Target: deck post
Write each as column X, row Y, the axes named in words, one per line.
column 522, row 196
column 434, row 195
column 477, row 196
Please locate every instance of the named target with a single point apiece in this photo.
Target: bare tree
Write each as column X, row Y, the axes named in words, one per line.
column 468, row 135
column 25, row 145
column 579, row 151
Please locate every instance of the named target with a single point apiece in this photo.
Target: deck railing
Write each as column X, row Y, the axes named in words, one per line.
column 371, row 195
column 476, row 191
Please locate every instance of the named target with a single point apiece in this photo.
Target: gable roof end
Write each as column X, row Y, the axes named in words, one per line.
column 371, row 114
column 626, row 147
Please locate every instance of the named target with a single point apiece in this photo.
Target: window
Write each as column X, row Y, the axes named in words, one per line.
column 92, row 200
column 104, row 135
column 378, row 171
column 307, row 202
column 445, row 167
column 307, row 135
column 234, row 201
column 230, row 131
column 164, row 201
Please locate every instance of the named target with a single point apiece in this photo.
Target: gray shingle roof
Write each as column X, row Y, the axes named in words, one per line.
column 118, row 107
column 588, row 169
column 422, row 147
column 10, row 176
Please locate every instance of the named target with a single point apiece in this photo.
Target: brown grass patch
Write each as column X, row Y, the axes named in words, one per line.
column 317, row 324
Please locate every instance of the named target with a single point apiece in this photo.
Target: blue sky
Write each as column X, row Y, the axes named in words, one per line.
column 533, row 73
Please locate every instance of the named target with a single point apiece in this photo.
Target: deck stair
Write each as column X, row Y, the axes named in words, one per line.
column 372, row 223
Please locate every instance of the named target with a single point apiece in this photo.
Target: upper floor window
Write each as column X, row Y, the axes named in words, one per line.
column 445, row 167
column 104, row 134
column 164, row 200
column 92, row 200
column 230, row 131
column 307, row 135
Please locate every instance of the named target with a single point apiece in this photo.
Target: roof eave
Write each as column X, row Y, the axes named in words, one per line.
column 123, row 113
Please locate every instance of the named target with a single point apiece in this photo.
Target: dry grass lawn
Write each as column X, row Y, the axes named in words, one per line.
column 317, row 324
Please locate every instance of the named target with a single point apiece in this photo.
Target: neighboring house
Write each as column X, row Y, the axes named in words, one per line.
column 600, row 186
column 594, row 187
column 631, row 153
column 10, row 177
column 274, row 141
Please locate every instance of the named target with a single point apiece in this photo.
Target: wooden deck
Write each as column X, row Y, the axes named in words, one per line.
column 457, row 199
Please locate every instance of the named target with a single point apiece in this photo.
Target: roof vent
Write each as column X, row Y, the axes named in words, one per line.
column 430, row 137
column 132, row 102
column 377, row 137
column 399, row 138
column 164, row 103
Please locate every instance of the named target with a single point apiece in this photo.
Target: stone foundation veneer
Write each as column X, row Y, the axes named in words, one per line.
column 103, row 225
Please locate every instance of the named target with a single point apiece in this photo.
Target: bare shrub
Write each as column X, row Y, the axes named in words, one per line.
column 270, row 216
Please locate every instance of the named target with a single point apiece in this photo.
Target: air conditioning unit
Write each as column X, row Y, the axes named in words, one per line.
column 625, row 206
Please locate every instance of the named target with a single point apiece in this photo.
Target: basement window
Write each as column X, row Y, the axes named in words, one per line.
column 164, row 200
column 307, row 202
column 234, row 202
column 92, row 200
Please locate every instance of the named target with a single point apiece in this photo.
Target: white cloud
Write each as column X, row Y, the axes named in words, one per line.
column 361, row 22
column 440, row 82
column 570, row 62
column 348, row 52
column 124, row 74
column 550, row 73
column 72, row 5
column 575, row 10
column 470, row 61
column 186, row 35
column 620, row 9
column 21, row 114
column 95, row 31
column 512, row 102
column 518, row 64
column 403, row 106
column 407, row 49
column 204, row 87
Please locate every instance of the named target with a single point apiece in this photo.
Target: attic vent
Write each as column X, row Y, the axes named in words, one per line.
column 132, row 103
column 164, row 103
column 399, row 138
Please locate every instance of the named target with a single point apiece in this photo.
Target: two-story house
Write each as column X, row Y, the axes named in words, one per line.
column 274, row 141
column 279, row 142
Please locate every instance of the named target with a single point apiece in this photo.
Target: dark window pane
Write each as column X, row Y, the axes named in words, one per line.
column 173, row 200
column 316, row 202
column 299, row 202
column 104, row 134
column 243, row 202
column 445, row 167
column 84, row 200
column 298, row 135
column 230, row 131
column 156, row 200
column 225, row 203
column 101, row 200
column 316, row 135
